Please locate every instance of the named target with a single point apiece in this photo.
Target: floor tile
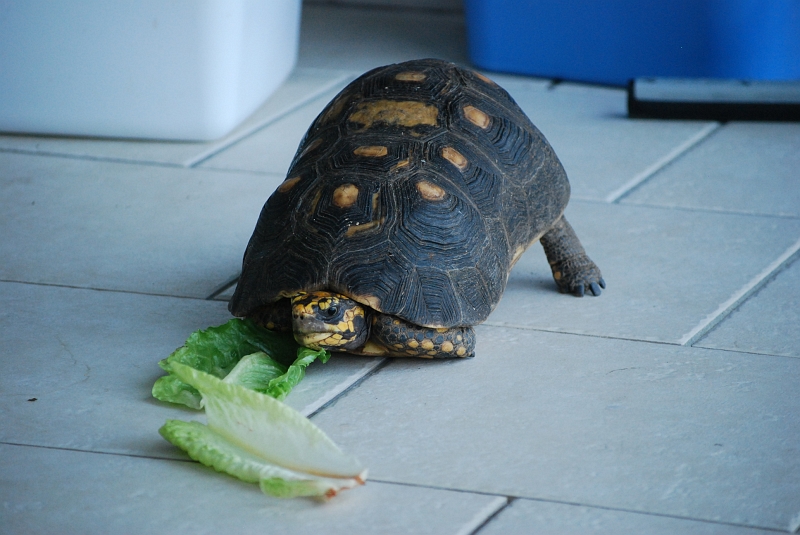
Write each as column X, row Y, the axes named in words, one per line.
column 643, row 427
column 666, row 270
column 528, row 516
column 744, row 167
column 301, row 86
column 123, row 226
column 272, row 149
column 601, row 148
column 361, row 39
column 768, row 323
column 56, row 491
column 90, row 358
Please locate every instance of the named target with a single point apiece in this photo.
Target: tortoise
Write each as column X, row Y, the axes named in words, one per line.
column 409, row 199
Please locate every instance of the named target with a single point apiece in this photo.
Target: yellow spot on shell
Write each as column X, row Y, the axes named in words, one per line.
column 454, row 157
column 395, row 112
column 430, row 191
column 447, row 347
column 401, row 165
column 485, row 78
column 410, row 76
column 517, row 254
column 371, row 151
column 352, row 230
column 477, row 117
column 345, row 195
column 369, row 300
column 288, row 184
column 311, row 146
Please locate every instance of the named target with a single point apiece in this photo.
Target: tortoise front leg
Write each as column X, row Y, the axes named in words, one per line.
column 274, row 316
column 403, row 339
column 573, row 270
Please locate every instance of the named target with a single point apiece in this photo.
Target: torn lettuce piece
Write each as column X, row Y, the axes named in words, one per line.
column 261, row 373
column 204, row 445
column 286, row 453
column 217, row 350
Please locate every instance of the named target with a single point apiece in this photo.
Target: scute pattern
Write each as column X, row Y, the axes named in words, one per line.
column 437, row 221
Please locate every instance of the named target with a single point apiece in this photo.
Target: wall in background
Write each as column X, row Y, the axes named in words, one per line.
column 449, row 5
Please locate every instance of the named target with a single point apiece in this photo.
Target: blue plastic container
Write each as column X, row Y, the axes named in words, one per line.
column 612, row 41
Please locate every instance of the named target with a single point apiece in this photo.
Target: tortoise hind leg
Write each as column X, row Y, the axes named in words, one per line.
column 573, row 270
column 403, row 339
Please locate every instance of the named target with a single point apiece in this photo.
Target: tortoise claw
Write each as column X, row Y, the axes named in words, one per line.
column 595, row 288
column 579, row 290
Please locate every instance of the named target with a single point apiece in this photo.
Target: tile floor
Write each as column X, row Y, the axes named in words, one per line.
column 666, row 405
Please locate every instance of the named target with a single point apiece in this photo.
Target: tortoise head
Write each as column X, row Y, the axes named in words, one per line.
column 325, row 320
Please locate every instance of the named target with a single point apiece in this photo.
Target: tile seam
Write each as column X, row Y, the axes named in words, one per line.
column 224, row 286
column 741, row 295
column 616, row 195
column 484, row 516
column 95, row 289
column 229, row 142
column 515, row 497
column 350, row 381
column 588, row 335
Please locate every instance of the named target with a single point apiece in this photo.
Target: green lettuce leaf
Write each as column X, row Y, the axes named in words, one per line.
column 218, row 350
column 257, row 438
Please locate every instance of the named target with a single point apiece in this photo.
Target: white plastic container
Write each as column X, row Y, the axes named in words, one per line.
column 157, row 69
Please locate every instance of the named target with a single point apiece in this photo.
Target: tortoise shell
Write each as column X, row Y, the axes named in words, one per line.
column 413, row 192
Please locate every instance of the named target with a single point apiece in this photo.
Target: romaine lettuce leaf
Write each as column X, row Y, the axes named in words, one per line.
column 255, row 437
column 217, row 350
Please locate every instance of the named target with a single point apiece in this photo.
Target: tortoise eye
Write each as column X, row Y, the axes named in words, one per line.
column 331, row 311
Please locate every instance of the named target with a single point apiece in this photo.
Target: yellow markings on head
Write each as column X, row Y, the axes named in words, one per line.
column 411, row 76
column 430, row 191
column 345, row 195
column 454, row 157
column 371, row 151
column 485, row 78
column 395, row 112
column 288, row 184
column 477, row 117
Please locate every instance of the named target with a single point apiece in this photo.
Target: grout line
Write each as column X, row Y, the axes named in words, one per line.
column 521, row 327
column 98, row 452
column 94, row 289
column 710, row 321
column 349, row 382
column 794, row 524
column 512, row 498
column 482, row 517
column 629, row 186
column 237, row 137
column 224, row 286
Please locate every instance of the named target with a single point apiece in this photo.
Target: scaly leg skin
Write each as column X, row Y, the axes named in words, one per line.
column 274, row 316
column 403, row 339
column 573, row 270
